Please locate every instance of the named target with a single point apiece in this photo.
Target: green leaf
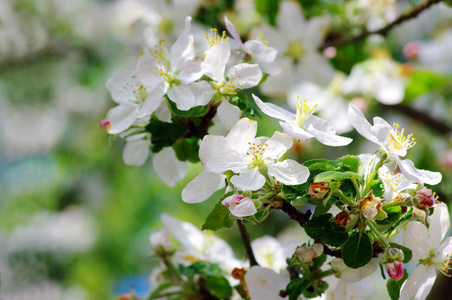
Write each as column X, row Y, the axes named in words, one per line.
column 187, row 149
column 378, row 188
column 268, row 8
column 164, row 134
column 407, row 253
column 296, row 287
column 357, row 251
column 351, row 162
column 322, row 165
column 194, row 111
column 201, row 267
column 425, row 81
column 320, row 228
column 335, row 175
column 241, row 101
column 219, row 216
column 395, row 286
column 219, row 287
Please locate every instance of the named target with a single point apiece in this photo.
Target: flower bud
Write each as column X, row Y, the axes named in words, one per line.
column 306, row 254
column 160, row 243
column 319, row 190
column 424, row 198
column 240, row 206
column 342, row 218
column 105, row 124
column 391, row 254
column 395, row 269
column 371, row 208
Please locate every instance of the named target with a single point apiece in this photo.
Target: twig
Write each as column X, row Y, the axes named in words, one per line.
column 406, row 15
column 247, row 243
column 294, row 214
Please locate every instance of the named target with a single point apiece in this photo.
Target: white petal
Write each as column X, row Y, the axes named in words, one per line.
column 226, row 160
column 295, row 131
column 391, row 90
column 232, row 30
column 277, row 145
column 244, row 209
column 244, row 76
column 163, row 112
column 229, row 114
column 271, row 68
column 146, row 73
column 445, row 251
column 243, row 132
column 329, row 139
column 288, row 172
column 273, row 110
column 192, row 71
column 153, row 101
column 264, row 283
column 136, row 150
column 186, row 233
column 202, row 187
column 168, row 168
column 320, row 125
column 248, row 180
column 415, row 237
column 290, row 20
column 211, row 146
column 121, row 117
column 203, row 92
column 316, row 68
column 419, row 283
column 116, row 83
column 261, row 52
column 361, row 125
column 409, row 170
column 215, row 62
column 182, row 50
column 182, row 96
column 439, row 225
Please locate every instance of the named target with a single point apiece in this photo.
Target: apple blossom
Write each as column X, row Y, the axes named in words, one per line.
column 240, row 206
column 394, row 142
column 429, row 250
column 303, row 125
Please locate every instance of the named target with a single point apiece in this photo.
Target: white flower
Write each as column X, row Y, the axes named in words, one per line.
column 240, row 206
column 313, row 126
column 168, row 168
column 270, row 253
column 381, row 78
column 241, row 76
column 428, row 251
column 260, row 157
column 394, row 142
column 174, row 73
column 136, row 150
column 353, row 275
column 264, row 283
column 260, row 53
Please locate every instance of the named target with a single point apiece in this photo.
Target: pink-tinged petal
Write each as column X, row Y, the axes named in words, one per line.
column 273, row 110
column 117, row 85
column 415, row 237
column 248, row 180
column 202, row 187
column 277, row 145
column 361, row 125
column 229, row 114
column 232, row 30
column 261, row 52
column 409, row 170
column 245, row 76
column 168, row 168
column 288, row 172
column 147, row 73
column 295, row 131
column 439, row 224
column 203, row 92
column 192, row 71
column 153, row 101
column 418, row 284
column 182, row 96
column 241, row 134
column 136, row 150
column 215, row 62
column 264, row 283
column 121, row 117
column 245, row 208
column 211, row 146
column 183, row 49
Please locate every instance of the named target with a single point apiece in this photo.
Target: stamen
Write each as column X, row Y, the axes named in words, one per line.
column 304, row 111
column 399, row 141
column 214, row 39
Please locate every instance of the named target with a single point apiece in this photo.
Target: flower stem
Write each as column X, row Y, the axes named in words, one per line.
column 247, row 243
column 344, row 198
column 373, row 226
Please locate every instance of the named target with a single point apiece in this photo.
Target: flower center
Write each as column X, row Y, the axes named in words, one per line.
column 397, row 139
column 138, row 90
column 255, row 152
column 214, row 39
column 163, row 68
column 444, row 265
column 295, row 50
column 304, row 111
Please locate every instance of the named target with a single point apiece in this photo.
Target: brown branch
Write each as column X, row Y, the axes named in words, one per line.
column 405, row 16
column 294, row 214
column 247, row 243
column 199, row 130
column 427, row 120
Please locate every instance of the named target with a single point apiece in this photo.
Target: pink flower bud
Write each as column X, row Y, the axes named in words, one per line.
column 424, row 198
column 395, row 269
column 105, row 124
column 411, row 49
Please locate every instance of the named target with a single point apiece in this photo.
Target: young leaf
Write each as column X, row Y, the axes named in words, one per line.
column 320, row 228
column 219, row 287
column 395, row 286
column 357, row 251
column 320, row 165
column 296, row 287
column 187, row 149
column 219, row 216
column 164, row 134
column 335, row 175
column 351, row 162
column 200, row 267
